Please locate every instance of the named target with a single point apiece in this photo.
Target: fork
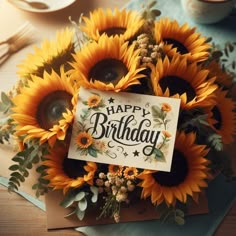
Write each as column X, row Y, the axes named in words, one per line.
column 21, row 38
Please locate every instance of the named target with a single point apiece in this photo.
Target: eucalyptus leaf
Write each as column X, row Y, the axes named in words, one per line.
column 5, row 99
column 156, row 12
column 71, row 213
column 68, row 200
column 179, row 213
column 80, row 214
column 79, row 196
column 94, row 190
column 82, row 204
column 151, row 4
column 179, row 220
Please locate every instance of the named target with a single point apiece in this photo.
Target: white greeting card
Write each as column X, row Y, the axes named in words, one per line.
column 124, row 129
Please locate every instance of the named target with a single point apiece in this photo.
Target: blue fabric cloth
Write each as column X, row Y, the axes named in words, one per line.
column 221, row 32
column 221, row 196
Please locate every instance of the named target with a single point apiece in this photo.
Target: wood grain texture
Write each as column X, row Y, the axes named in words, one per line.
column 19, row 217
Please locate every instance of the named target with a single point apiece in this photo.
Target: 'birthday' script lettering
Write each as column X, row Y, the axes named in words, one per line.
column 124, row 130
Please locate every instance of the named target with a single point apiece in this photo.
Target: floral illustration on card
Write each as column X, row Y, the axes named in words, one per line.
column 84, row 141
column 161, row 118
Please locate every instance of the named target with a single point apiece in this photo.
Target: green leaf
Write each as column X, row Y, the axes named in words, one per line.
column 35, row 186
column 41, row 168
column 151, row 4
column 92, row 152
column 217, row 54
column 25, row 173
column 5, row 99
column 12, row 187
column 43, row 181
column 80, row 214
column 179, row 213
column 156, row 111
column 179, row 220
column 17, row 175
column 18, row 159
column 29, row 165
column 71, row 213
column 14, row 180
column 79, row 196
column 14, row 167
column 82, row 204
column 35, row 159
column 68, row 200
column 94, row 190
column 215, row 141
column 159, row 155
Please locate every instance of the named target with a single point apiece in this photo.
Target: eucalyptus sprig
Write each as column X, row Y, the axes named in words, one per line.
column 24, row 161
column 171, row 214
column 79, row 200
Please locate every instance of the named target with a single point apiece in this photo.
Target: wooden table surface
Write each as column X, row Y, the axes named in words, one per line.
column 20, row 217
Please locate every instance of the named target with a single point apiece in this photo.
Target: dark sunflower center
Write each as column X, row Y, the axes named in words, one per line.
column 50, row 109
column 177, row 85
column 73, row 168
column 108, row 71
column 179, row 171
column 116, row 168
column 94, row 101
column 130, row 173
column 55, row 62
column 176, row 44
column 113, row 31
column 217, row 116
column 84, row 140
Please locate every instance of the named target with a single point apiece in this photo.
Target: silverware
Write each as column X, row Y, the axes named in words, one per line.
column 21, row 38
column 36, row 5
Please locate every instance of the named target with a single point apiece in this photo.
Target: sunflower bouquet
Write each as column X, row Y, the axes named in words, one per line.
column 121, row 51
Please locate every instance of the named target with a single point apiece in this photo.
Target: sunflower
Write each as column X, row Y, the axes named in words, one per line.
column 51, row 55
column 130, row 172
column 45, row 108
column 120, row 22
column 176, row 78
column 64, row 173
column 181, row 39
column 223, row 117
column 94, row 100
column 109, row 64
column 84, row 140
column 223, row 78
column 189, row 174
column 115, row 169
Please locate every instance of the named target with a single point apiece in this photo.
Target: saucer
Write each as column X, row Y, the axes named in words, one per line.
column 54, row 5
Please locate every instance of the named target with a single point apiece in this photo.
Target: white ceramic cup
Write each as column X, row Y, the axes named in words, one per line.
column 207, row 11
